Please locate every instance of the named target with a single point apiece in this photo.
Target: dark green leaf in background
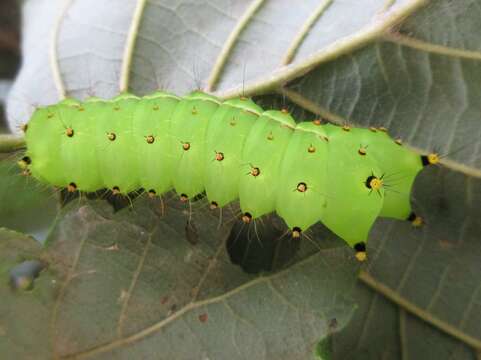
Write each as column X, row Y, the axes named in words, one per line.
column 132, row 285
column 26, row 205
column 24, row 314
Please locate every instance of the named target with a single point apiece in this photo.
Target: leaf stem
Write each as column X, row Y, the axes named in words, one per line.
column 10, row 143
column 422, row 314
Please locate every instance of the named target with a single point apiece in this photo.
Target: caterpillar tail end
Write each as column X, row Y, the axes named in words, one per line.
column 360, row 249
column 430, row 159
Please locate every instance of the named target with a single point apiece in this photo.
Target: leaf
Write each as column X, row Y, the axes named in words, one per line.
column 23, row 314
column 420, row 80
column 427, row 100
column 446, row 23
column 130, row 284
column 82, row 48
column 25, row 204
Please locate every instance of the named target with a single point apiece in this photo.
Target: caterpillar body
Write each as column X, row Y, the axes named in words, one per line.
column 306, row 172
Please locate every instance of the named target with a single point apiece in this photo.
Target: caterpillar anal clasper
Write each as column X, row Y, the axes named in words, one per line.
column 307, row 172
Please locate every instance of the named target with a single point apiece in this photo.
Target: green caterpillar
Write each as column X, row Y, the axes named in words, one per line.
column 306, row 172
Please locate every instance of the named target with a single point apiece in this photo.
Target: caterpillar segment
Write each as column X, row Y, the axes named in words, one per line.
column 301, row 194
column 227, row 132
column 47, row 123
column 262, row 155
column 150, row 130
column 188, row 129
column 399, row 167
column 344, row 177
column 353, row 202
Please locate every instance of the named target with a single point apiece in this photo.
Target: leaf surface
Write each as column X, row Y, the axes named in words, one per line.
column 131, row 285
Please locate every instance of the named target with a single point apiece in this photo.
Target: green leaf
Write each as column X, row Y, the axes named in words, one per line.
column 24, row 315
column 26, row 205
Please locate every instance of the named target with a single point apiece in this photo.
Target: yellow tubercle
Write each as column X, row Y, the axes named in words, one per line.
column 361, row 256
column 376, row 183
column 433, row 158
column 22, row 164
column 418, row 221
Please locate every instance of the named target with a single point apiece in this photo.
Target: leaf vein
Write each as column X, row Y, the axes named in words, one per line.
column 283, row 75
column 61, row 294
column 307, row 26
column 425, row 46
column 133, row 283
column 130, row 45
column 230, row 43
column 53, row 51
column 422, row 314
